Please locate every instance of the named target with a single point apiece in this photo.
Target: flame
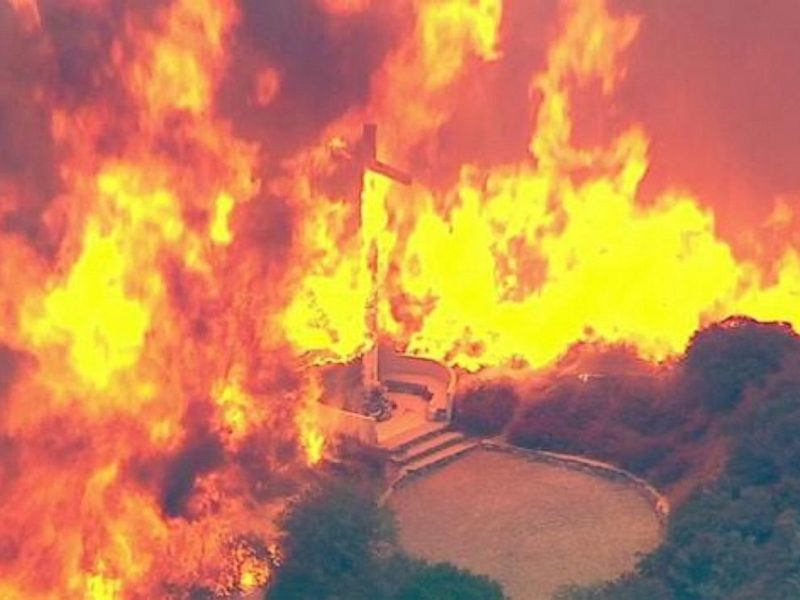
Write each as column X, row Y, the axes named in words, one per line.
column 147, row 366
column 165, row 302
column 345, row 7
column 519, row 261
column 268, row 84
column 28, row 11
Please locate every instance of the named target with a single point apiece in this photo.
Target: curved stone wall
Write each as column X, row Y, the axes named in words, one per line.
column 658, row 502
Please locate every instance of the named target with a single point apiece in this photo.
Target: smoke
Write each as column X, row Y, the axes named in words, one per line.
column 491, row 123
column 27, row 175
column 173, row 157
column 80, row 41
column 715, row 85
column 201, row 454
column 9, row 367
column 267, row 226
column 324, row 64
column 712, row 83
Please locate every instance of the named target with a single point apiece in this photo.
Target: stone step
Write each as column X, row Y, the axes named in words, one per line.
column 427, row 446
column 440, row 457
column 403, row 440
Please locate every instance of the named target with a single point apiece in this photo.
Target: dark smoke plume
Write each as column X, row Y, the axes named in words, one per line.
column 325, row 63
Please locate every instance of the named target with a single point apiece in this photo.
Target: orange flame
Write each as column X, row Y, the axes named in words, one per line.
column 158, row 327
column 521, row 261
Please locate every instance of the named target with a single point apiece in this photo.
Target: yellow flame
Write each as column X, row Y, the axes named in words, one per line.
column 451, row 28
column 520, row 262
column 220, row 230
column 93, row 315
column 176, row 68
column 99, row 587
column 326, row 314
column 309, row 425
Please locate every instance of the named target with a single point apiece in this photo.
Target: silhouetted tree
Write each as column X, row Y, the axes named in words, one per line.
column 739, row 538
column 330, row 545
column 446, row 582
column 722, row 360
column 339, row 545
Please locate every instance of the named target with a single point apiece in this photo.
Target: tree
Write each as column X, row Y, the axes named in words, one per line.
column 446, row 582
column 330, row 543
column 725, row 358
column 739, row 537
column 338, row 544
column 625, row 588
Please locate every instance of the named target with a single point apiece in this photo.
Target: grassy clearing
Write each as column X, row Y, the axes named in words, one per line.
column 531, row 526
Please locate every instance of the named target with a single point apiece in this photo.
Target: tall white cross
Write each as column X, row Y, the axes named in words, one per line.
column 366, row 157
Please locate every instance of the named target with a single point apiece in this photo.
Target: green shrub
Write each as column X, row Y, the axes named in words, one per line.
column 339, row 545
column 738, row 538
column 722, row 360
column 446, row 582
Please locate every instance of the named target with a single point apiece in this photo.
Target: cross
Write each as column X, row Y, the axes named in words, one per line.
column 366, row 155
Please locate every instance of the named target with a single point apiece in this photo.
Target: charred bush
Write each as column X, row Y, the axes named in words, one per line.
column 672, row 470
column 644, row 460
column 485, row 410
column 631, row 422
column 647, row 415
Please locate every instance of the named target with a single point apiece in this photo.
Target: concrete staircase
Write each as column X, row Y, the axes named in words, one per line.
column 426, row 446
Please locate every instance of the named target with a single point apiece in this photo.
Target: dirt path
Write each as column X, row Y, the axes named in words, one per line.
column 532, row 526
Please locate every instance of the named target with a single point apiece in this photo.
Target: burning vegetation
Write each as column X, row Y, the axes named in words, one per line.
column 186, row 229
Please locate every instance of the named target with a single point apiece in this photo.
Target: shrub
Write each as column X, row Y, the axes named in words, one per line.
column 736, row 538
column 625, row 588
column 646, row 458
column 330, row 536
column 446, row 582
column 339, row 544
column 725, row 358
column 672, row 470
column 485, row 410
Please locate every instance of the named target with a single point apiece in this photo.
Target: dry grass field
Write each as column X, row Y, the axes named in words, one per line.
column 531, row 526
